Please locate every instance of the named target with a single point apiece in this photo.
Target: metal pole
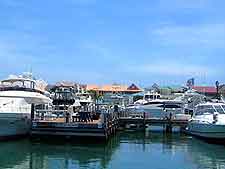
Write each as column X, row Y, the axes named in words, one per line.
column 32, row 112
column 217, row 89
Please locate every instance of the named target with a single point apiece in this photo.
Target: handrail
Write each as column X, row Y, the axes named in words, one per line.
column 204, row 121
column 46, row 110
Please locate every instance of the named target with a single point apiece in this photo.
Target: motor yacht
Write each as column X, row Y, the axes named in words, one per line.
column 17, row 95
column 163, row 108
column 84, row 98
column 155, row 106
column 190, row 99
column 208, row 122
column 148, row 96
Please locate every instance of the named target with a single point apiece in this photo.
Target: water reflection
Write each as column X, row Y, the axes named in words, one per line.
column 207, row 156
column 14, row 154
column 69, row 155
column 126, row 150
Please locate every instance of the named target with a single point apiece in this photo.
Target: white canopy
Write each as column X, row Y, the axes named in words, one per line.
column 30, row 97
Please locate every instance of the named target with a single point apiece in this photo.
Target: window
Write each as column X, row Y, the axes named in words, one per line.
column 206, row 109
column 170, row 106
column 155, row 102
column 219, row 109
column 223, row 106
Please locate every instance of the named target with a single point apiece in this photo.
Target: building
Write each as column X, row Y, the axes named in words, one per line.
column 75, row 87
column 114, row 89
column 206, row 90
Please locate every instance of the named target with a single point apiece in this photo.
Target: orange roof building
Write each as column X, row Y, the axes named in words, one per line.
column 115, row 88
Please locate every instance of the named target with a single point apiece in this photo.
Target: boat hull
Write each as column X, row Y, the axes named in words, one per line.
column 209, row 132
column 14, row 125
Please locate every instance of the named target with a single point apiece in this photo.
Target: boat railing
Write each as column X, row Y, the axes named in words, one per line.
column 166, row 114
column 16, row 109
column 204, row 121
column 103, row 118
column 18, row 88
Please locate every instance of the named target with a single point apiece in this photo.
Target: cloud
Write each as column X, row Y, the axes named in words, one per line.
column 100, row 51
column 173, row 69
column 203, row 35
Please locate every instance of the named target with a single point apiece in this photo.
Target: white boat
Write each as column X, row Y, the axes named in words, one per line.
column 190, row 99
column 163, row 108
column 156, row 107
column 83, row 98
column 17, row 94
column 148, row 96
column 208, row 122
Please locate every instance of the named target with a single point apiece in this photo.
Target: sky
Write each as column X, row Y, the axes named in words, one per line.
column 114, row 41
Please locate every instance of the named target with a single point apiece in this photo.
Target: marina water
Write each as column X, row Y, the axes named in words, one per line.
column 126, row 150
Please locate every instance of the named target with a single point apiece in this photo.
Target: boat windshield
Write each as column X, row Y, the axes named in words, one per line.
column 205, row 109
column 18, row 83
column 153, row 102
column 223, row 106
column 220, row 109
column 171, row 106
column 210, row 109
column 151, row 97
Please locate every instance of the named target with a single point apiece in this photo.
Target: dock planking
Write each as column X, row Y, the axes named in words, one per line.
column 101, row 128
column 143, row 119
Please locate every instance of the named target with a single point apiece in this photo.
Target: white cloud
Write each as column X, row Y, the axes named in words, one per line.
column 173, row 69
column 101, row 52
column 203, row 35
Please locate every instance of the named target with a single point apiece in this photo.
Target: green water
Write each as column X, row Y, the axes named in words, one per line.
column 124, row 151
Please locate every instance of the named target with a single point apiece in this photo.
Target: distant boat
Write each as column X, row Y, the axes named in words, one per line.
column 17, row 94
column 84, row 98
column 148, row 96
column 190, row 99
column 208, row 122
column 159, row 108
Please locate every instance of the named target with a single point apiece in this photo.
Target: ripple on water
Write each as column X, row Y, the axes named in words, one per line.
column 131, row 150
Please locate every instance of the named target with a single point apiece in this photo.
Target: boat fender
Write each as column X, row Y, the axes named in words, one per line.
column 215, row 117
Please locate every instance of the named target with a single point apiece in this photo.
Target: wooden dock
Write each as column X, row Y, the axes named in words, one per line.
column 100, row 128
column 106, row 125
column 141, row 120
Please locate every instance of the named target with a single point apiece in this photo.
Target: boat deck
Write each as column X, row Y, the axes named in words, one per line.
column 63, row 120
column 74, row 127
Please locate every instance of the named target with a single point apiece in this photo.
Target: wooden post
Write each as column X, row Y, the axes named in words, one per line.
column 144, row 114
column 168, row 128
column 32, row 112
column 169, row 125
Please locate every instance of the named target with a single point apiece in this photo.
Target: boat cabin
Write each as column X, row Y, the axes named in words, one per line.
column 165, row 104
column 21, row 84
column 83, row 98
column 150, row 95
column 63, row 97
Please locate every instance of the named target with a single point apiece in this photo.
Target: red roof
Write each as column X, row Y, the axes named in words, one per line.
column 205, row 89
column 133, row 87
